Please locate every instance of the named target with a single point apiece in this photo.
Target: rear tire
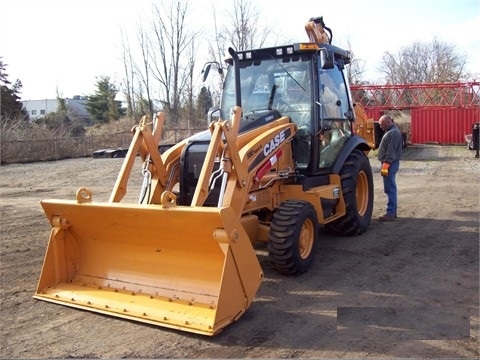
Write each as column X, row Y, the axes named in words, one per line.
column 357, row 188
column 293, row 237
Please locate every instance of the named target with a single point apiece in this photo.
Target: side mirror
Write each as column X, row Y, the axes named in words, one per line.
column 326, row 59
column 205, row 71
column 208, row 66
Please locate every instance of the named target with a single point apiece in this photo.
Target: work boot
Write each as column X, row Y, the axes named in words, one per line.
column 387, row 218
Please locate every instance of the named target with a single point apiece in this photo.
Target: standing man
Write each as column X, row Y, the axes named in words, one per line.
column 389, row 154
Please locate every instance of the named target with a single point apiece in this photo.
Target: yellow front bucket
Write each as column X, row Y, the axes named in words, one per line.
column 188, row 268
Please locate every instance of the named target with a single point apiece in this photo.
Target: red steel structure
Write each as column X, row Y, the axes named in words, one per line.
column 414, row 96
column 442, row 113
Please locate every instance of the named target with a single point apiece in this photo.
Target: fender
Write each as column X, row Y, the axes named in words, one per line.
column 355, row 142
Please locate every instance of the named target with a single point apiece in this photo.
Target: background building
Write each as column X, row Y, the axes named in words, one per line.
column 40, row 108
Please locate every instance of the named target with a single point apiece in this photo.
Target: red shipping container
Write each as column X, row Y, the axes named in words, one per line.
column 442, row 125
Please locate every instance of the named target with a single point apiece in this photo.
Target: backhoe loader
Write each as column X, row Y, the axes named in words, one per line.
column 285, row 153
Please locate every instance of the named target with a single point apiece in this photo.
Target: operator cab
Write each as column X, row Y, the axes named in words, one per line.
column 305, row 82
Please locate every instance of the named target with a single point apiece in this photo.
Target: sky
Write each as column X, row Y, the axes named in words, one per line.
column 64, row 46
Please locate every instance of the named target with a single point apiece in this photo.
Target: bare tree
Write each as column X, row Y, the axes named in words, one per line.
column 159, row 74
column 242, row 32
column 356, row 68
column 355, row 71
column 129, row 79
column 143, row 70
column 137, row 85
column 190, row 86
column 216, row 51
column 433, row 62
column 172, row 38
column 245, row 33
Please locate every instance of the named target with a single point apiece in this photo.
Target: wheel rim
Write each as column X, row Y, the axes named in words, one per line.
column 362, row 193
column 306, row 239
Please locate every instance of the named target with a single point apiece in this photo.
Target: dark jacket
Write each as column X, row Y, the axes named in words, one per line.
column 390, row 148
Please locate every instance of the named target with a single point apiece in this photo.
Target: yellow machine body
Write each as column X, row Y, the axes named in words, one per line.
column 178, row 261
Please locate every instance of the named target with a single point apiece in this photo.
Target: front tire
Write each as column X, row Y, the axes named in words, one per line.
column 357, row 188
column 293, row 237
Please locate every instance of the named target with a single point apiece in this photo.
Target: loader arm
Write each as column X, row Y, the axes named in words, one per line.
column 241, row 156
column 145, row 141
column 171, row 161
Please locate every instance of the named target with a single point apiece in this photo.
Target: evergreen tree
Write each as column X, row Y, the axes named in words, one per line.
column 204, row 101
column 203, row 104
column 102, row 105
column 11, row 107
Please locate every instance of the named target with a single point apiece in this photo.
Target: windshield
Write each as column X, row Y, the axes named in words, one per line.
column 286, row 85
column 272, row 84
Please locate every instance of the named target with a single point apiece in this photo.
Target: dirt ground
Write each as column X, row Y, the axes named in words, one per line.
column 404, row 289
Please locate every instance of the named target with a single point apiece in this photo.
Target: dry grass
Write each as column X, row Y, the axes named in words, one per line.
column 28, row 142
column 123, row 125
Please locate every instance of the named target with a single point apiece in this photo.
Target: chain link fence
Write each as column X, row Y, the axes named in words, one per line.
column 24, row 151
